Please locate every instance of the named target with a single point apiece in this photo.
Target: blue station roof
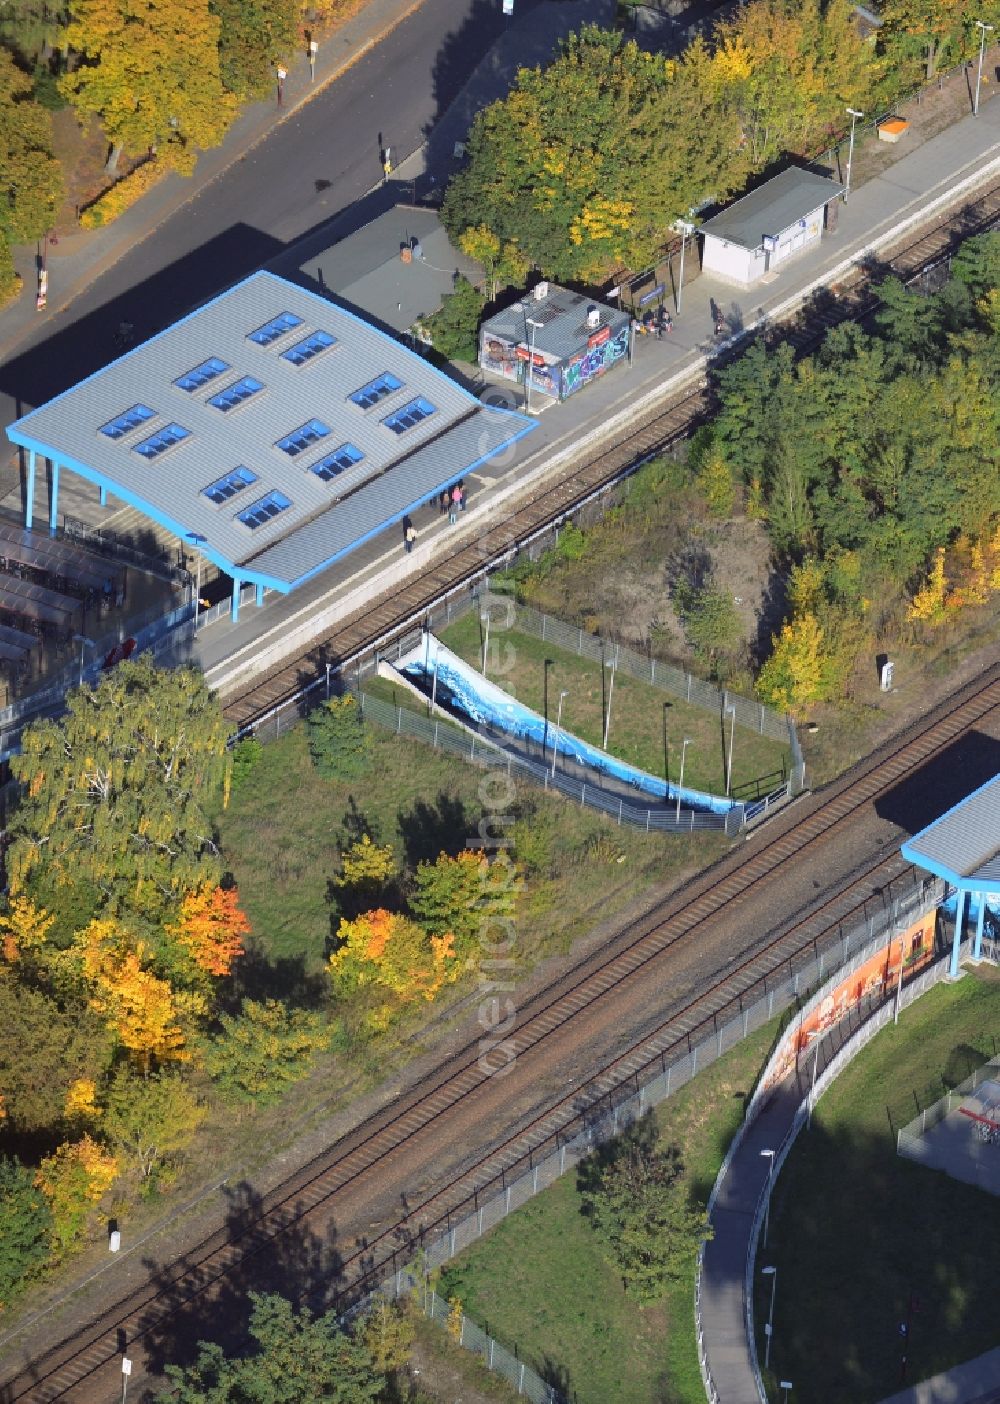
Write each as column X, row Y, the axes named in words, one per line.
column 278, row 429
column 963, row 846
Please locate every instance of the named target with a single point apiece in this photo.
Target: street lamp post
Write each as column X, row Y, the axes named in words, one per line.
column 687, row 229
column 983, row 31
column 555, row 734
column 767, row 1203
column 666, row 756
column 313, row 51
column 730, row 712
column 899, row 983
column 854, row 115
column 282, row 75
column 197, row 539
column 84, row 643
column 680, row 783
column 549, row 663
column 535, row 326
column 613, row 665
column 771, row 1272
column 486, row 639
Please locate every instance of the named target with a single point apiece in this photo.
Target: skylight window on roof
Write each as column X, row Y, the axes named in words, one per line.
column 195, row 378
column 376, row 390
column 409, row 415
column 125, row 423
column 337, row 462
column 224, row 488
column 276, row 328
column 301, row 438
column 162, row 440
column 262, row 511
column 304, row 351
column 236, row 394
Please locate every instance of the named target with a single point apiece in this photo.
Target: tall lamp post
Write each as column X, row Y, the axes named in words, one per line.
column 680, row 783
column 535, row 326
column 282, row 75
column 983, row 31
column 854, row 115
column 313, row 51
column 613, row 665
column 555, row 734
column 687, row 229
column 197, row 539
column 899, row 982
column 772, row 1273
column 84, row 643
column 730, row 712
column 767, row 1203
column 816, row 1034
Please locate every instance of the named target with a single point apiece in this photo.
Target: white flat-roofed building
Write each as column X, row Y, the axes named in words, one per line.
column 778, row 220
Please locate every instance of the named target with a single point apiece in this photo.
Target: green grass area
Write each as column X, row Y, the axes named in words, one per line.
column 856, row 1229
column 538, row 1280
column 421, row 802
column 638, row 713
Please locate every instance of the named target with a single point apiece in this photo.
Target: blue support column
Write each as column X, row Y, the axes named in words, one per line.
column 234, row 612
column 977, row 949
column 259, row 596
column 959, row 925
column 54, row 499
column 29, row 503
column 104, row 496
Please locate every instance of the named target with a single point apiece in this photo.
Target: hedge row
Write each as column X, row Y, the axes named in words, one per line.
column 122, row 195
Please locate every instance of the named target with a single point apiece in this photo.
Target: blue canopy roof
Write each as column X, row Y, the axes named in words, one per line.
column 963, row 846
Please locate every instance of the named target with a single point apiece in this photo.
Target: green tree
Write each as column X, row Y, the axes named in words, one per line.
column 710, row 622
column 295, row 1358
column 45, row 1047
column 587, row 163
column 457, row 896
column 798, row 670
column 454, row 328
column 254, row 36
column 10, row 279
column 114, row 792
column 339, row 741
column 263, row 1050
column 150, row 71
column 638, row 1204
column 149, row 1120
column 31, row 183
column 25, row 1229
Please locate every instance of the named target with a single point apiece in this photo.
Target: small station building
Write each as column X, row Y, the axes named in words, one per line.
column 781, row 218
column 568, row 338
column 963, row 848
column 271, row 430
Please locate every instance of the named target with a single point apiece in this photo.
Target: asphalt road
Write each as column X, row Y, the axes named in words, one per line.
column 314, row 164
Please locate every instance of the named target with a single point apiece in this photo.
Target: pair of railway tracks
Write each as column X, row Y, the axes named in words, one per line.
column 382, row 1150
column 390, row 614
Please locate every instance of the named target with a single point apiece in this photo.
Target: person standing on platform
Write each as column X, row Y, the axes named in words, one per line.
column 409, row 536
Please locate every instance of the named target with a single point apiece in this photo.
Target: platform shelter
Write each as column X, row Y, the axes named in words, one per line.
column 272, row 430
column 963, row 848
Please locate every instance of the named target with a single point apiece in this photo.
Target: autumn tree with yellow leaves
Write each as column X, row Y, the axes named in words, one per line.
column 74, row 1179
column 150, row 71
column 393, row 957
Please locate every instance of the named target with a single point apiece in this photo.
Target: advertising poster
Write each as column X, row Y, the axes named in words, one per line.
column 500, row 358
column 595, row 360
column 878, row 975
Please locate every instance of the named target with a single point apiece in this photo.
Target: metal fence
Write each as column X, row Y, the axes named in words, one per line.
column 479, row 748
column 909, row 1137
column 599, row 1114
column 494, row 1356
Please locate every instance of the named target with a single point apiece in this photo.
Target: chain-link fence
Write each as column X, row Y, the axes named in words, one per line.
column 606, row 1110
column 910, row 1137
column 495, row 1357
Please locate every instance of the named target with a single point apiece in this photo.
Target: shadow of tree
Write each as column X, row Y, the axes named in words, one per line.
column 206, row 1295
column 259, row 977
column 442, row 826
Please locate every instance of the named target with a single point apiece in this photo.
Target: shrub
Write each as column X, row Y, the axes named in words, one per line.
column 122, row 195
column 263, row 1050
column 25, row 1229
column 339, row 743
column 246, row 754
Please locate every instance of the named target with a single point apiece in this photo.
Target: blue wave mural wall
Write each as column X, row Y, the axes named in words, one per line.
column 474, row 698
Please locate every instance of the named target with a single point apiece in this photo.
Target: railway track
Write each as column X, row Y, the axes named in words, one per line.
column 392, row 1141
column 852, row 300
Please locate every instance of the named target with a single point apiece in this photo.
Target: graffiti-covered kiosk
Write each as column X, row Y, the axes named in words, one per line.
column 567, row 339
